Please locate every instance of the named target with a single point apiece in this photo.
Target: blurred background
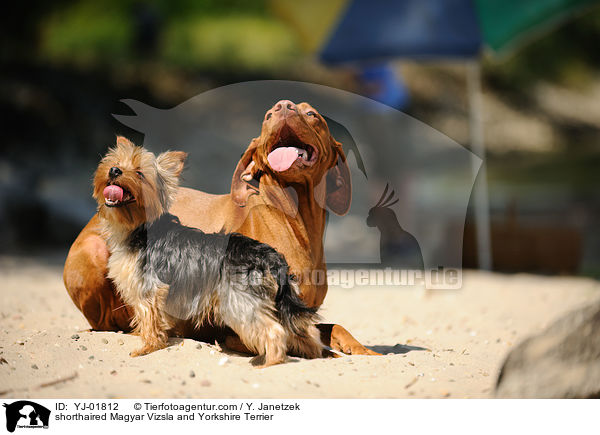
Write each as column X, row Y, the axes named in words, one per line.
column 65, row 66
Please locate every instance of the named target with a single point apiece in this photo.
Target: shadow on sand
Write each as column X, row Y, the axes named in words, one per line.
column 396, row 349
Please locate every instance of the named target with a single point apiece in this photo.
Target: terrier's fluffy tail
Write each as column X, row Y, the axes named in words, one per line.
column 298, row 319
column 292, row 311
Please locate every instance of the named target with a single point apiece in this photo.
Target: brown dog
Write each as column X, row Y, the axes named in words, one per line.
column 277, row 198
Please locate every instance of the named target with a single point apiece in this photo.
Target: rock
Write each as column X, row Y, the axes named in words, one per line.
column 75, row 336
column 192, row 374
column 105, row 341
column 561, row 362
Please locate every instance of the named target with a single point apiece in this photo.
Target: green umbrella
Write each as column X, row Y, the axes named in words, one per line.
column 507, row 24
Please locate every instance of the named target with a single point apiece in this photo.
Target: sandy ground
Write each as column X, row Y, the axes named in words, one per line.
column 443, row 344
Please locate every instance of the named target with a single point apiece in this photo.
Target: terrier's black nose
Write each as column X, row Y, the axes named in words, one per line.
column 114, row 172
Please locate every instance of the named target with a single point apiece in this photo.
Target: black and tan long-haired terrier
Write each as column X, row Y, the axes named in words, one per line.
column 167, row 271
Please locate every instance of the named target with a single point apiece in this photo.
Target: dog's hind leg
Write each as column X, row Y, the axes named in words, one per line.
column 270, row 340
column 152, row 323
column 259, row 332
column 306, row 345
column 264, row 335
column 245, row 306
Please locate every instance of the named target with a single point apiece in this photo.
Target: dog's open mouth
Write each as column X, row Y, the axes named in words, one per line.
column 116, row 196
column 289, row 149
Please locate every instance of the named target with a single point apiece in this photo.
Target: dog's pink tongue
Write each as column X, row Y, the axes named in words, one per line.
column 282, row 158
column 113, row 193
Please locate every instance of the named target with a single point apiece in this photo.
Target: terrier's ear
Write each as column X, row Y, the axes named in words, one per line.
column 171, row 162
column 124, row 142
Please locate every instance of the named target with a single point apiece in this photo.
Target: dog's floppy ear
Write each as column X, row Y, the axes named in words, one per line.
column 339, row 183
column 240, row 188
column 171, row 162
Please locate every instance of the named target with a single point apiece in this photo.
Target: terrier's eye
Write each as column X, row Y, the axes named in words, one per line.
column 269, row 115
column 140, row 174
column 311, row 113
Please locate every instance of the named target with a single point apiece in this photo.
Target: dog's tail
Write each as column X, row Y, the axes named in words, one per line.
column 293, row 313
column 299, row 320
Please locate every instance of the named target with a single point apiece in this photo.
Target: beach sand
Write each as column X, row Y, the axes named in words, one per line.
column 435, row 344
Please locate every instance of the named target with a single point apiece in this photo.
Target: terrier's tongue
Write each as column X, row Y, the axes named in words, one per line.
column 282, row 158
column 113, row 193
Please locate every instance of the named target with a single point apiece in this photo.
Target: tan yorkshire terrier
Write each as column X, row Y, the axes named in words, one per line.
column 166, row 271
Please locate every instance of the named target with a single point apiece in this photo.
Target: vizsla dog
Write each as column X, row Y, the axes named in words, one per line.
column 280, row 190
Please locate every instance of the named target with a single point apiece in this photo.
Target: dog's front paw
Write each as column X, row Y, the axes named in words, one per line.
column 357, row 350
column 141, row 352
column 343, row 341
